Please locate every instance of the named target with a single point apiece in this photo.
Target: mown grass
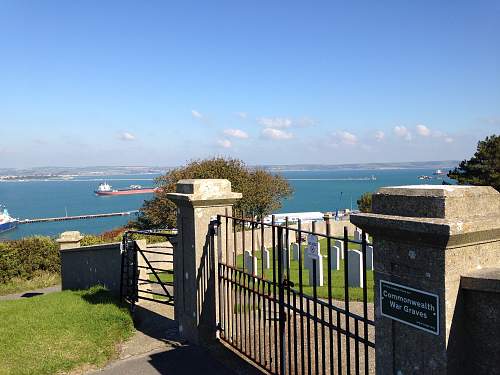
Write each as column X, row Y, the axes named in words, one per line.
column 17, row 285
column 60, row 332
column 338, row 285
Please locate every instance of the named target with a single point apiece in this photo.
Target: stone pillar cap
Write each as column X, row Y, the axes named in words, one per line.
column 70, row 236
column 204, row 191
column 437, row 201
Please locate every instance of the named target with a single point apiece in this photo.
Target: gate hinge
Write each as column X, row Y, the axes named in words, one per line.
column 219, row 327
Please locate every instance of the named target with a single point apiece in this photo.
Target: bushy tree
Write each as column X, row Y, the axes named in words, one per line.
column 483, row 168
column 365, row 202
column 262, row 191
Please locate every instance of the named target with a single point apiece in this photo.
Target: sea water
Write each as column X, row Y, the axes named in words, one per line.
column 313, row 191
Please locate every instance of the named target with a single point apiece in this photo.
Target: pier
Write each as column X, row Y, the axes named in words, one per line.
column 78, row 217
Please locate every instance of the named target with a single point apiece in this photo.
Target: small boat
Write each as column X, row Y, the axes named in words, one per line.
column 423, row 177
column 106, row 189
column 6, row 221
column 439, row 172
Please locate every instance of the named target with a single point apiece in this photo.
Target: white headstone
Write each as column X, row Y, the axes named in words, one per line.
column 315, row 260
column 355, row 264
column 335, row 258
column 357, row 234
column 295, row 251
column 312, row 248
column 369, row 258
column 340, row 245
column 265, row 258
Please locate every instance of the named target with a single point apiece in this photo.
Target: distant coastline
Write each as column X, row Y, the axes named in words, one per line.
column 70, row 173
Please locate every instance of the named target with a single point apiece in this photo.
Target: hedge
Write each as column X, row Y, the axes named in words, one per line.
column 29, row 257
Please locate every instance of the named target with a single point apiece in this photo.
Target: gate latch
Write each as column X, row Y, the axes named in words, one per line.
column 288, row 284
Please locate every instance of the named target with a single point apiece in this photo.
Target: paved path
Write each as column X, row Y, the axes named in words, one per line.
column 156, row 348
column 31, row 293
column 181, row 360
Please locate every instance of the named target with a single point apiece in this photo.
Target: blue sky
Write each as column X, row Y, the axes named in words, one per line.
column 158, row 82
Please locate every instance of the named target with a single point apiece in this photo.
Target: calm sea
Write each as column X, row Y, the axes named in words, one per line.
column 313, row 191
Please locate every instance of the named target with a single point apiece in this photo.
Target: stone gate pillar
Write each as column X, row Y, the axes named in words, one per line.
column 195, row 261
column 425, row 237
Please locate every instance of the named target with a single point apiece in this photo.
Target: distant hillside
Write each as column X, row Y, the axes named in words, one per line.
column 47, row 172
column 447, row 164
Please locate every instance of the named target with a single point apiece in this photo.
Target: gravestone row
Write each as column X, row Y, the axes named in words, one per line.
column 313, row 260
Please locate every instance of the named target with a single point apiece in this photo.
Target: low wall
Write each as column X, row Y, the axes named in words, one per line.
column 336, row 227
column 83, row 267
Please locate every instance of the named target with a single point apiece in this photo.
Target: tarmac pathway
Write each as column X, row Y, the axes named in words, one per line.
column 31, row 293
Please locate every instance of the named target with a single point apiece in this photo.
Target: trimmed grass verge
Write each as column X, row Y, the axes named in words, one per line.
column 59, row 332
column 17, row 285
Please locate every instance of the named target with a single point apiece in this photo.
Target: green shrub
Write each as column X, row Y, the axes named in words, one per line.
column 28, row 257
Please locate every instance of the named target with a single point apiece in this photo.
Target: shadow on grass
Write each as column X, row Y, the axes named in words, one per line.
column 99, row 295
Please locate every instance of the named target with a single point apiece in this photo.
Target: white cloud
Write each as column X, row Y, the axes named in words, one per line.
column 126, row 136
column 196, row 114
column 379, row 135
column 236, row 133
column 402, row 132
column 449, row 140
column 242, row 114
column 275, row 122
column 224, row 143
column 305, row 121
column 346, row 137
column 277, row 134
column 423, row 130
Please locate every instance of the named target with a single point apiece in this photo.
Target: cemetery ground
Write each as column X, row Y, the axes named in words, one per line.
column 338, row 290
column 61, row 331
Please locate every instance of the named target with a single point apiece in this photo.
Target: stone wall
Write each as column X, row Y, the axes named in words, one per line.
column 86, row 266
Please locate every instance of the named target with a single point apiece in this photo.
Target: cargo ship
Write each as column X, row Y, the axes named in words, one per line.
column 6, row 221
column 107, row 189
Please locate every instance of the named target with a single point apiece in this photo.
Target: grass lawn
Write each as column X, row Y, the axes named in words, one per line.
column 58, row 332
column 165, row 277
column 355, row 294
column 18, row 285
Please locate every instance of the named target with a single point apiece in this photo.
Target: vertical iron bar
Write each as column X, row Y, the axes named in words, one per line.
column 282, row 316
column 315, row 312
column 226, row 261
column 274, row 297
column 243, row 239
column 254, row 272
column 301, row 301
column 323, row 342
column 346, row 300
column 356, row 347
column 339, row 343
column 330, row 307
column 122, row 266
column 288, row 278
column 235, row 242
column 263, row 288
column 365, row 301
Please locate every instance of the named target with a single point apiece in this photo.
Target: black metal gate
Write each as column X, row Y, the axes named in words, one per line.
column 279, row 318
column 141, row 277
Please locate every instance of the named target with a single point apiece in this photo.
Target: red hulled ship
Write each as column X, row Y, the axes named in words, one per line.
column 106, row 189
